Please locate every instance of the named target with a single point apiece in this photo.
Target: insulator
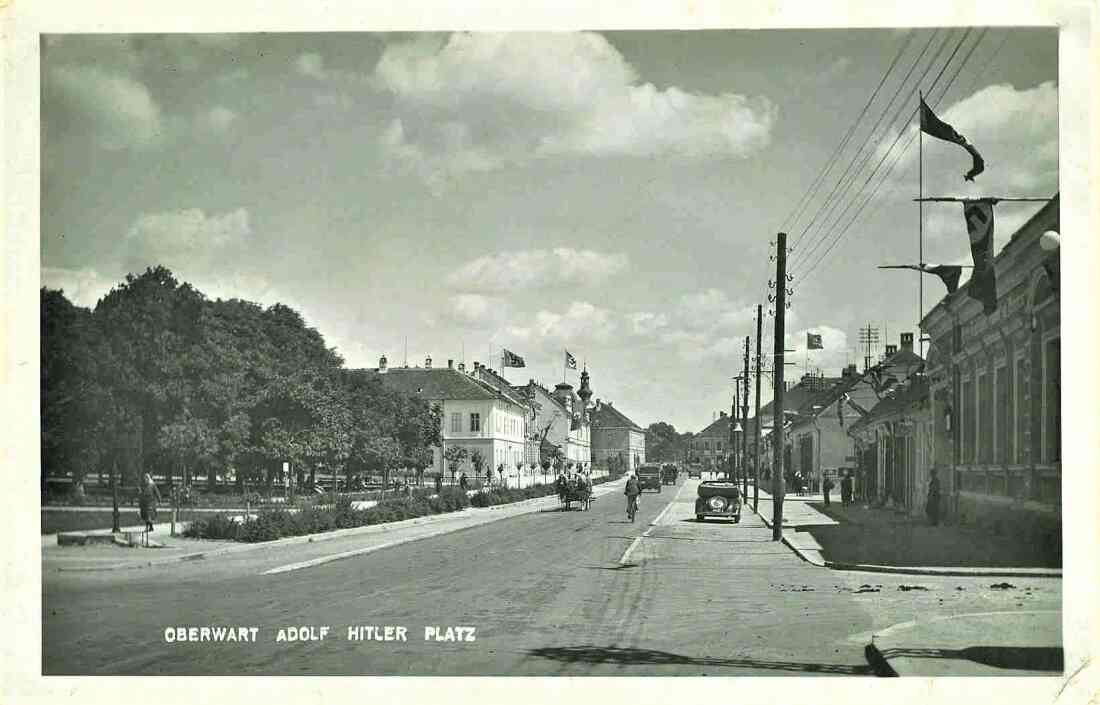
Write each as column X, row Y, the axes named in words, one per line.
column 771, row 299
column 790, row 277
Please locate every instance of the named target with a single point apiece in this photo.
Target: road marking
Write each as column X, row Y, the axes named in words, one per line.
column 634, row 544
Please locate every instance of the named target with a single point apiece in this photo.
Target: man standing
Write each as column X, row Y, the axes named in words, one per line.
column 826, row 487
column 632, row 491
column 932, row 506
column 846, row 488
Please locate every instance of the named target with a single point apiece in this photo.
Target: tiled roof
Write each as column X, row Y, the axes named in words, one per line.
column 435, row 383
column 914, row 392
column 795, row 397
column 607, row 416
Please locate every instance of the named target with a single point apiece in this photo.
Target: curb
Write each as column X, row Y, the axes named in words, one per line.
column 878, row 662
column 917, row 570
column 313, row 538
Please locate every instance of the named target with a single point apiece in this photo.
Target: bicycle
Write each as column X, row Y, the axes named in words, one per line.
column 631, row 506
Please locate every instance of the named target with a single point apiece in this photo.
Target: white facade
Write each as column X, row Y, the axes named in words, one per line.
column 495, row 428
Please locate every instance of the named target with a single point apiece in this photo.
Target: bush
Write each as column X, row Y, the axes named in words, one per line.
column 218, row 526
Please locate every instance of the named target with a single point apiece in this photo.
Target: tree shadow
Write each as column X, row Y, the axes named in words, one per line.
column 624, row 656
column 1022, row 658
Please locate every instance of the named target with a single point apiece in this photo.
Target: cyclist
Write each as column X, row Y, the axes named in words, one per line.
column 632, row 491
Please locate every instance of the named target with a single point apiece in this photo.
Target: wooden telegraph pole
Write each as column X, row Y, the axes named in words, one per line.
column 777, row 393
column 732, row 476
column 745, row 427
column 756, row 418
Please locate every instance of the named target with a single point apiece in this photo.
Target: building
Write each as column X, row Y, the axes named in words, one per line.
column 561, row 419
column 711, row 446
column 995, row 390
column 893, row 447
column 477, row 417
column 616, row 440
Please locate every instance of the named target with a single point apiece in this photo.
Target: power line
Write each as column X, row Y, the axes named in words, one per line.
column 825, row 236
column 908, row 145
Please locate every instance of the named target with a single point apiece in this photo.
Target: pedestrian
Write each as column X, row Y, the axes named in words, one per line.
column 846, row 488
column 826, row 487
column 462, row 482
column 932, row 506
column 439, row 483
column 150, row 497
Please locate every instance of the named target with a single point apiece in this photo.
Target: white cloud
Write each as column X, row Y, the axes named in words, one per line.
column 119, row 110
column 833, row 355
column 473, row 308
column 646, row 323
column 179, row 238
column 312, row 65
column 506, row 271
column 84, row 287
column 582, row 321
column 480, row 101
column 219, row 119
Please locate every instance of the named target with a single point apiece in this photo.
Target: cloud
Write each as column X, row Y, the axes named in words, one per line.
column 180, row 238
column 835, row 352
column 311, row 65
column 219, row 119
column 118, row 110
column 507, row 271
column 473, row 308
column 579, row 323
column 84, row 287
column 477, row 102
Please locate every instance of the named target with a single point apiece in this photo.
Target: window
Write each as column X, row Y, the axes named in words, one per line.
column 969, row 422
column 456, row 422
column 1052, row 397
column 475, row 423
column 985, row 419
column 1022, row 394
column 1003, row 432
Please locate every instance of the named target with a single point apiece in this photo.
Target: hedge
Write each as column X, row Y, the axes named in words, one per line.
column 276, row 523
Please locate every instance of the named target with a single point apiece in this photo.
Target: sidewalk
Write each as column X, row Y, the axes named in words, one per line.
column 175, row 549
column 982, row 644
column 880, row 541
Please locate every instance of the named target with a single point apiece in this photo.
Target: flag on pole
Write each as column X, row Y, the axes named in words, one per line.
column 512, row 360
column 948, row 273
column 932, row 125
column 570, row 361
column 813, row 342
column 979, row 224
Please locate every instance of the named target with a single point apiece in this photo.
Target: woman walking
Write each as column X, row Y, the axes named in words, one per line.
column 150, row 497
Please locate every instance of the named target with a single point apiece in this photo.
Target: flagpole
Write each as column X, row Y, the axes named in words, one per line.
column 920, row 230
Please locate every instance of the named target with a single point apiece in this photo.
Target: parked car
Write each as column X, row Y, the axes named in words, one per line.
column 718, row 498
column 668, row 474
column 695, row 471
column 649, row 477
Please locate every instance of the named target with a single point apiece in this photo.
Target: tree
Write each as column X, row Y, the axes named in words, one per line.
column 477, row 459
column 455, row 456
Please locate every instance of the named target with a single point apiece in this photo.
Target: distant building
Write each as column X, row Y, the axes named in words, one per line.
column 561, row 419
column 995, row 386
column 616, row 440
column 711, row 446
column 476, row 415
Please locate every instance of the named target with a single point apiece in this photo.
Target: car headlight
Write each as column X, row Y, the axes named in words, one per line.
column 717, row 503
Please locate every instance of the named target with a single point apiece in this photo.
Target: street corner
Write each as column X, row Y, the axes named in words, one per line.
column 1020, row 643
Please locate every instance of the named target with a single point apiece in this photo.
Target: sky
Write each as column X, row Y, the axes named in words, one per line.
column 612, row 194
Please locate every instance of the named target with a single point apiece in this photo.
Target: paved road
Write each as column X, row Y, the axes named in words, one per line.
column 547, row 593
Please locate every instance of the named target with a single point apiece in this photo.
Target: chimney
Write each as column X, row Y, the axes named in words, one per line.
column 450, row 364
column 428, row 362
column 891, row 349
column 849, row 371
column 722, row 414
column 907, row 341
column 382, row 365
column 462, row 367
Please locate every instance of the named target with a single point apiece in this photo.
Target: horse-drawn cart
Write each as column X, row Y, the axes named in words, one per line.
column 574, row 489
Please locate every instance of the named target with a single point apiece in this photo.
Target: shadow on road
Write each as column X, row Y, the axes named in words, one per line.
column 638, row 657
column 1024, row 658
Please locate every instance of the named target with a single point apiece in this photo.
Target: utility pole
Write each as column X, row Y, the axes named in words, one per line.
column 745, row 427
column 756, row 419
column 777, row 423
column 867, row 337
column 732, row 475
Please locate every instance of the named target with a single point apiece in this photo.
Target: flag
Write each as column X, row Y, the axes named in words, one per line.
column 813, row 342
column 979, row 224
column 948, row 273
column 932, row 125
column 570, row 361
column 513, row 360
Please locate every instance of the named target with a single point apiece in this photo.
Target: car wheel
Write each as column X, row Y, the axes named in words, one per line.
column 698, row 517
column 737, row 519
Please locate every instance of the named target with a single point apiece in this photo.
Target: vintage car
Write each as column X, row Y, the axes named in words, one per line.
column 718, row 498
column 695, row 471
column 669, row 473
column 649, row 477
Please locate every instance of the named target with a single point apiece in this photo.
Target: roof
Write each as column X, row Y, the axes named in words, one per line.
column 605, row 415
column 796, row 396
column 438, row 383
column 490, row 377
column 908, row 395
column 823, row 399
